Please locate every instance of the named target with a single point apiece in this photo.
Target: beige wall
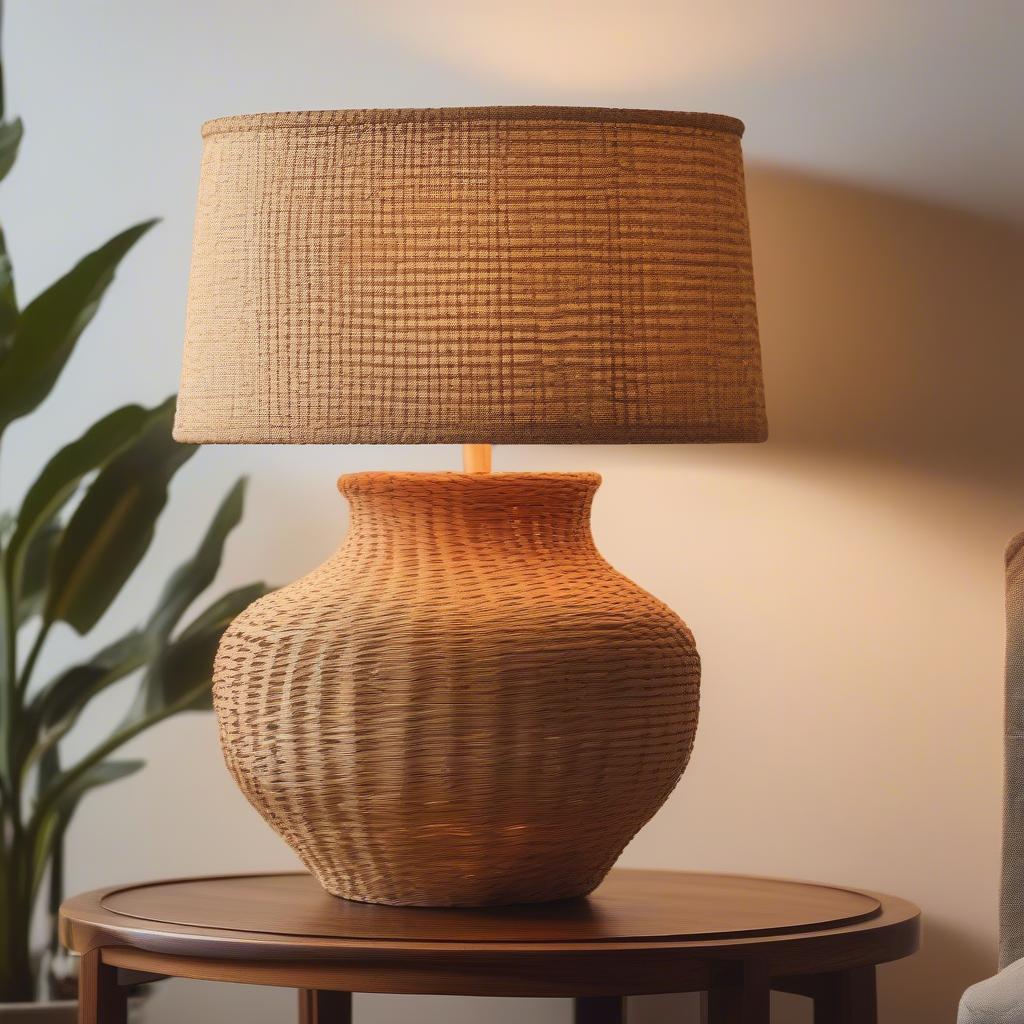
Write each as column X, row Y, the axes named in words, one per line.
column 843, row 581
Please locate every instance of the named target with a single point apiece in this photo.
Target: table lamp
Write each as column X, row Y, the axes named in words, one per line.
column 466, row 705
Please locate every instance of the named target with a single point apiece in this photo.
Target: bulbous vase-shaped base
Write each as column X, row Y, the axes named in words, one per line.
column 465, row 705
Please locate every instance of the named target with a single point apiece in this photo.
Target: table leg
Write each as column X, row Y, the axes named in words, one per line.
column 847, row 997
column 839, row 997
column 600, row 1010
column 100, row 999
column 320, row 1007
column 742, row 995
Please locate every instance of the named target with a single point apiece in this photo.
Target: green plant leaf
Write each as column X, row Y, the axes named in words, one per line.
column 36, row 570
column 8, row 300
column 49, row 829
column 100, row 775
column 185, row 665
column 55, row 709
column 113, row 525
column 62, row 475
column 3, row 90
column 175, row 682
column 11, row 133
column 195, row 575
column 222, row 612
column 49, row 769
column 50, row 325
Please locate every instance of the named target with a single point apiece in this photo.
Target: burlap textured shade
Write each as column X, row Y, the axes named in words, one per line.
column 505, row 274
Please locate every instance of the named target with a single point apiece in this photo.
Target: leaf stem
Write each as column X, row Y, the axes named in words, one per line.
column 33, row 655
column 10, row 708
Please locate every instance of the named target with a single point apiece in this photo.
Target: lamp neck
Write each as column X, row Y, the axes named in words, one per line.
column 465, row 514
column 476, row 458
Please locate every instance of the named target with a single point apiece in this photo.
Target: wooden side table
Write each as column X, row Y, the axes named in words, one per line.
column 735, row 937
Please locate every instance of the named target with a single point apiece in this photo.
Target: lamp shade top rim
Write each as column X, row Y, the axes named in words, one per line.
column 319, row 119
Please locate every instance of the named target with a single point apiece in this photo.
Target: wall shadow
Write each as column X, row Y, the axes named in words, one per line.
column 892, row 336
column 894, row 369
column 892, row 328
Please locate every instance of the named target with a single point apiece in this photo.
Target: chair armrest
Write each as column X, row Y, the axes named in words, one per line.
column 996, row 1000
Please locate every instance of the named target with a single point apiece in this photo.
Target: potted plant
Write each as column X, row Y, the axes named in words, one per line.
column 67, row 547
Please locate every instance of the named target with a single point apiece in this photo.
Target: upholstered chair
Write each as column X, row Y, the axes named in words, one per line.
column 1001, row 998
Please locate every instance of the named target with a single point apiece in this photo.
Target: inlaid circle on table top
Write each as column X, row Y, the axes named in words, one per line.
column 629, row 906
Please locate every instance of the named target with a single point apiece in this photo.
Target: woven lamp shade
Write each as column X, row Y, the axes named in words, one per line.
column 505, row 274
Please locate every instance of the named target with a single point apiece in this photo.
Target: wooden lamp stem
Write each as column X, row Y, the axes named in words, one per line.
column 476, row 458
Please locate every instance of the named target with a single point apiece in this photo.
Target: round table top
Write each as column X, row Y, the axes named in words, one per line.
column 631, row 916
column 629, row 906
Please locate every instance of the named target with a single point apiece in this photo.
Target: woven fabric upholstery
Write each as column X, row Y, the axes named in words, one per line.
column 1011, row 906
column 996, row 1000
column 465, row 705
column 509, row 274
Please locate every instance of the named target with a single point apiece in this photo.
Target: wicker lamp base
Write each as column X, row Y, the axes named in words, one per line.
column 465, row 705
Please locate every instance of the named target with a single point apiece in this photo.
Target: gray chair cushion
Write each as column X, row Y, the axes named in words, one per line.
column 998, row 1000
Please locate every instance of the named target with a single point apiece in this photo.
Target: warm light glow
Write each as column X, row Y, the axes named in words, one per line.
column 615, row 44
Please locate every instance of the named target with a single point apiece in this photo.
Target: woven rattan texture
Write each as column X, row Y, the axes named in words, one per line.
column 471, row 276
column 466, row 705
